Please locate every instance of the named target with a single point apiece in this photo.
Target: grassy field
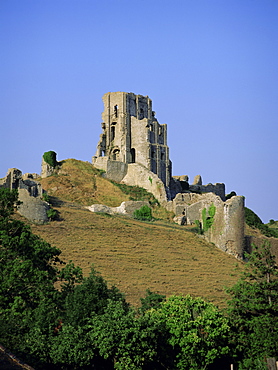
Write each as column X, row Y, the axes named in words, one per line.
column 130, row 254
column 133, row 255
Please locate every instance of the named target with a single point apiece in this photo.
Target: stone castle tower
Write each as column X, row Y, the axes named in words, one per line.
column 132, row 134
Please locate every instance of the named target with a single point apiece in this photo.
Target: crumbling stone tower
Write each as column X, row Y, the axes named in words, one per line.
column 132, row 134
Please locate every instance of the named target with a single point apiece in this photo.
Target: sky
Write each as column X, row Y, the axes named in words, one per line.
column 209, row 66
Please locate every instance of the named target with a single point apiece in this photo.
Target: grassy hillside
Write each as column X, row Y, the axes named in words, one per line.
column 133, row 255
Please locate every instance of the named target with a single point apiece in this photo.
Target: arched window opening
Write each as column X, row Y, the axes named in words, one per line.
column 153, row 154
column 115, row 154
column 162, row 156
column 132, row 152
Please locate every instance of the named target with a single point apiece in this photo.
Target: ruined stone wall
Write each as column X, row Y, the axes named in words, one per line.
column 46, row 169
column 29, row 193
column 138, row 175
column 32, row 208
column 180, row 184
column 227, row 230
column 115, row 170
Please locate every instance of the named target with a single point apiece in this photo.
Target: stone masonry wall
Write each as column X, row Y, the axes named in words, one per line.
column 138, row 175
column 29, row 193
column 227, row 230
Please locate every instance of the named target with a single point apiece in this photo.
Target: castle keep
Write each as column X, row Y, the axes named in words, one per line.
column 132, row 134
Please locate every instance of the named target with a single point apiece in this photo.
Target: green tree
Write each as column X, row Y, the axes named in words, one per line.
column 151, row 300
column 84, row 305
column 198, row 332
column 8, row 200
column 50, row 158
column 253, row 309
column 28, row 272
column 89, row 298
column 130, row 341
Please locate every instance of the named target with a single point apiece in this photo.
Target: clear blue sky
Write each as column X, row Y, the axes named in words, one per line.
column 210, row 67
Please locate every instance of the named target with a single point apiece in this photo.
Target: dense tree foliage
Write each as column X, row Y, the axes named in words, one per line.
column 27, row 275
column 54, row 318
column 198, row 332
column 151, row 300
column 254, row 309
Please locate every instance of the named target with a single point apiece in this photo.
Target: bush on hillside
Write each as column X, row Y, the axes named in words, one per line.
column 143, row 214
column 230, row 195
column 50, row 158
column 52, row 214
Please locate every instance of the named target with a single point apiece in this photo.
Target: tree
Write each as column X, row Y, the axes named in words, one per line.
column 28, row 272
column 253, row 309
column 151, row 300
column 198, row 332
column 50, row 158
column 89, row 298
column 8, row 199
column 127, row 340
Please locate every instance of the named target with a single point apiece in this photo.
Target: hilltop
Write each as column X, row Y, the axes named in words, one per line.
column 133, row 255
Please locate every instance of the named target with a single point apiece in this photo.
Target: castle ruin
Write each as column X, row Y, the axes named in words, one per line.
column 132, row 134
column 133, row 150
column 29, row 194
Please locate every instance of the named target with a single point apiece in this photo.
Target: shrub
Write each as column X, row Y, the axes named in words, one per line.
column 50, row 158
column 143, row 214
column 230, row 195
column 45, row 197
column 52, row 214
